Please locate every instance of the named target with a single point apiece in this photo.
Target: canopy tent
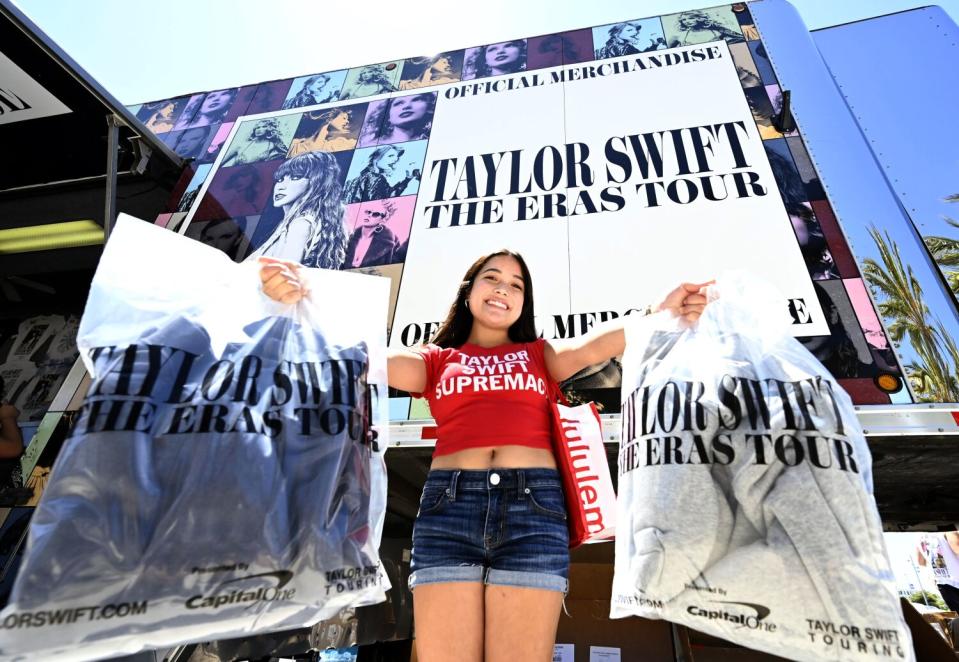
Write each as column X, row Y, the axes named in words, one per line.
column 71, row 152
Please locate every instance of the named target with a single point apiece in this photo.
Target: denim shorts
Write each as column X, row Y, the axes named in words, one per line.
column 499, row 526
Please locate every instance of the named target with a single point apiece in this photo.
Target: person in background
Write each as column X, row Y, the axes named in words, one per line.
column 941, row 553
column 11, row 446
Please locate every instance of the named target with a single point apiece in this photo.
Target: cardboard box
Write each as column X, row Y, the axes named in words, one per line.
column 588, row 623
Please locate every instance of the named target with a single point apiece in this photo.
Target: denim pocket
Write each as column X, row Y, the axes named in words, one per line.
column 433, row 500
column 548, row 501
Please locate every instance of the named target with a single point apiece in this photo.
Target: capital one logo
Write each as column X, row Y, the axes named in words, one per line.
column 229, row 593
column 744, row 614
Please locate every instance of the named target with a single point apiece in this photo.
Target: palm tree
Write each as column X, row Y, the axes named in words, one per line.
column 945, row 251
column 932, row 376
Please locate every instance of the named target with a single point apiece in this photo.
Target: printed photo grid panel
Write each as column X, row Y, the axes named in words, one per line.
column 383, row 201
column 825, row 250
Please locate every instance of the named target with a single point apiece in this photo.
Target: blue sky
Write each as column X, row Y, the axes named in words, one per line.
column 143, row 51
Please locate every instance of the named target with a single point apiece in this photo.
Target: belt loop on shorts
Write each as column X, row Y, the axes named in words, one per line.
column 520, row 484
column 451, row 490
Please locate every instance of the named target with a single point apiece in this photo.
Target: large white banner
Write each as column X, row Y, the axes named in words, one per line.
column 614, row 180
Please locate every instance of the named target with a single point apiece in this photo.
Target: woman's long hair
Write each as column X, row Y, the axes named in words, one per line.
column 320, row 204
column 217, row 116
column 375, row 73
column 382, row 128
column 305, row 95
column 324, row 118
column 377, row 154
column 478, row 67
column 455, row 329
column 615, row 31
column 272, row 135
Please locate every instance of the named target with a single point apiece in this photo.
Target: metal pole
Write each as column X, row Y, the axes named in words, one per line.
column 922, row 591
column 113, row 145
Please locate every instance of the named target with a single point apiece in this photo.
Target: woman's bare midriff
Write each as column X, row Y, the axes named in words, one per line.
column 496, row 457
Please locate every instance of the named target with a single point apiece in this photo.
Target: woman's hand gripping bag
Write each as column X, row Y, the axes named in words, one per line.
column 225, row 475
column 745, row 505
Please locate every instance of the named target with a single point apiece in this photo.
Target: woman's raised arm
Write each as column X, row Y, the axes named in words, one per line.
column 406, row 370
column 567, row 357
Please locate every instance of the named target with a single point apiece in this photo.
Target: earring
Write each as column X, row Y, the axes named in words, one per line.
column 467, row 302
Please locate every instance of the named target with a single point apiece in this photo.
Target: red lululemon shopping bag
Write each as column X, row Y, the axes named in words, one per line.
column 581, row 459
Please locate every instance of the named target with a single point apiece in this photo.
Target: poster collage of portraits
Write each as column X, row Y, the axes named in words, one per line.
column 335, row 185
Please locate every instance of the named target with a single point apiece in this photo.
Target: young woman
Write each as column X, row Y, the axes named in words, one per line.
column 490, row 541
column 334, row 133
column 399, row 120
column 699, row 26
column 373, row 182
column 211, row 108
column 372, row 243
column 313, row 92
column 215, row 106
column 307, row 189
column 224, row 234
column 191, row 142
column 264, row 143
column 161, row 119
column 623, row 40
column 372, row 79
column 423, row 72
column 241, row 191
column 507, row 57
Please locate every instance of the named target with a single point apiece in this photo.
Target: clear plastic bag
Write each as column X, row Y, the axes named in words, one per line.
column 745, row 505
column 225, row 475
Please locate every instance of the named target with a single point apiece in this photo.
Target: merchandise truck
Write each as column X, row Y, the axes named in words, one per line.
column 619, row 160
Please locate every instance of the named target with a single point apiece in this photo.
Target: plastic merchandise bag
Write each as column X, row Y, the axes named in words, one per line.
column 745, row 505
column 225, row 475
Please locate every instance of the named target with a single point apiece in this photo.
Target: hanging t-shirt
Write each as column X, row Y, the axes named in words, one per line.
column 488, row 396
column 64, row 345
column 32, row 334
column 745, row 505
column 944, row 561
column 202, row 484
column 237, row 460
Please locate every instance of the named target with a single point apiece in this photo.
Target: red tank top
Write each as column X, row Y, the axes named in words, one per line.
column 492, row 396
